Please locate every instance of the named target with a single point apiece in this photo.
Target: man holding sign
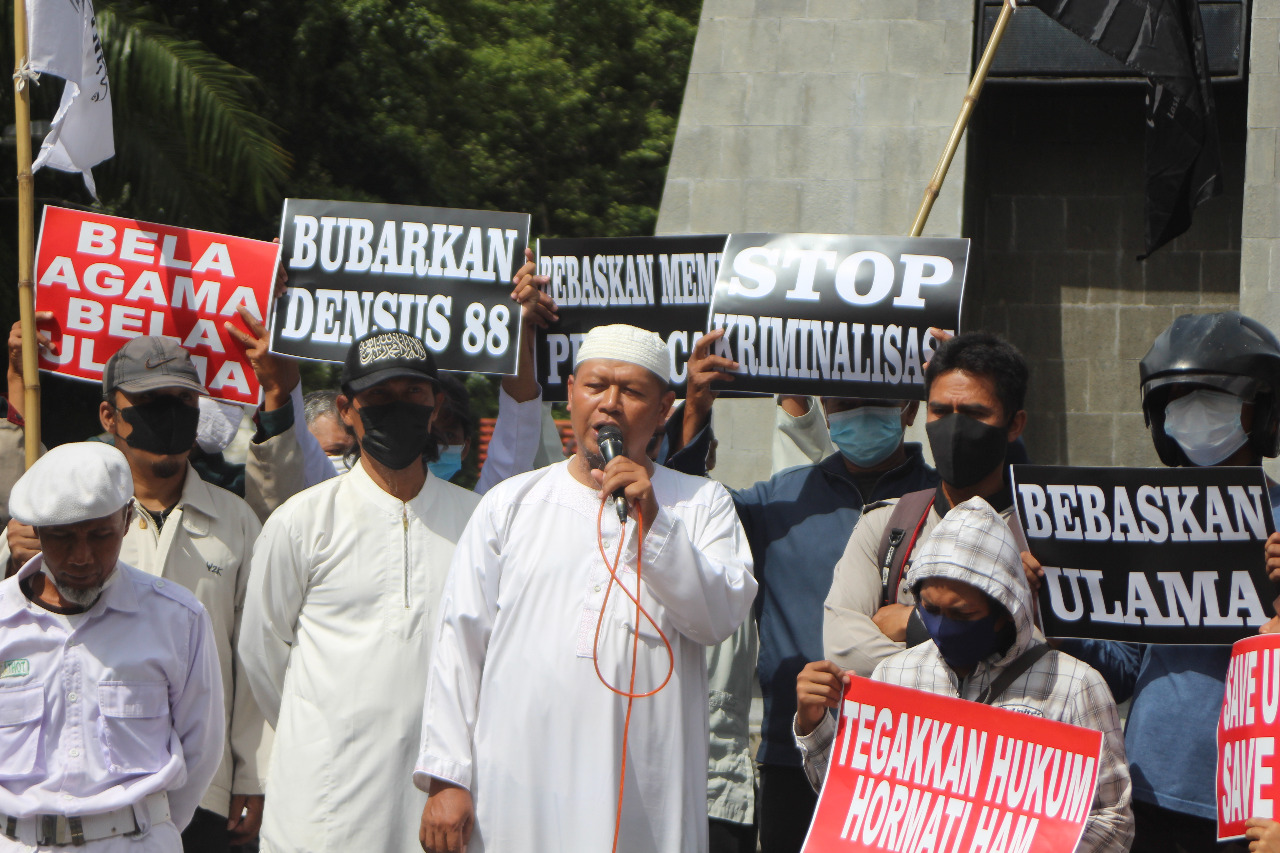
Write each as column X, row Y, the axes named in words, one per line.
column 974, row 601
column 1211, row 396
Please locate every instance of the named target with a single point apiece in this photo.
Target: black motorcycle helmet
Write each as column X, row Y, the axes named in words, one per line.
column 1226, row 352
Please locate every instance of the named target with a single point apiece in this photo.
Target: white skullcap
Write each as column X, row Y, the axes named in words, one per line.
column 627, row 343
column 72, row 483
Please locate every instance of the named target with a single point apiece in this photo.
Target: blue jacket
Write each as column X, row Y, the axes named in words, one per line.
column 798, row 523
column 1171, row 733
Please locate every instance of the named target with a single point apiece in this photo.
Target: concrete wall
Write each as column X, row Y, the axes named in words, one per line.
column 1056, row 212
column 814, row 115
column 1260, row 246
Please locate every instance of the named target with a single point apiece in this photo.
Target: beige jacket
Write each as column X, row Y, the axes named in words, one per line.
column 849, row 636
column 206, row 545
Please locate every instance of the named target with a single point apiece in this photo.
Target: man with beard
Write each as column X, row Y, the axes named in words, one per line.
column 524, row 738
column 975, row 386
column 111, row 708
column 338, row 625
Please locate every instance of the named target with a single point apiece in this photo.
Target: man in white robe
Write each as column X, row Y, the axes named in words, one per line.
column 339, row 616
column 522, row 743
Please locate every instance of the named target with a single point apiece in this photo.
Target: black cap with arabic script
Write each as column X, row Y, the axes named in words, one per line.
column 379, row 356
column 147, row 363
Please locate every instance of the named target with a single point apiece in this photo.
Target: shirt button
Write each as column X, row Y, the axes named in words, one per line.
column 160, row 584
column 67, row 797
column 71, row 697
column 597, row 587
column 74, row 753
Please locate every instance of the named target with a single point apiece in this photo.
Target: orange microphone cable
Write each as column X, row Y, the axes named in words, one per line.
column 629, row 693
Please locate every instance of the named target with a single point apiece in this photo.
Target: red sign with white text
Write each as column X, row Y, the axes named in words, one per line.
column 108, row 280
column 914, row 771
column 1248, row 727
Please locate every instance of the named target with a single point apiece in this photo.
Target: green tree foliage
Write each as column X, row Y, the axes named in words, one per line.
column 565, row 109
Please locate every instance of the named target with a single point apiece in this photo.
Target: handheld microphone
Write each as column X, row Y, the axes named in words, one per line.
column 609, row 437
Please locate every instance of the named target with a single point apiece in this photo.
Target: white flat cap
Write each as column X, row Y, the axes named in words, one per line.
column 72, row 483
column 620, row 342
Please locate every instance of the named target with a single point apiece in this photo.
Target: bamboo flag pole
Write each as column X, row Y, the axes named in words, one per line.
column 26, row 234
column 962, row 121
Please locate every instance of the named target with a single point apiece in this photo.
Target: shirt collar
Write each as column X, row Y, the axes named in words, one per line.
column 196, row 495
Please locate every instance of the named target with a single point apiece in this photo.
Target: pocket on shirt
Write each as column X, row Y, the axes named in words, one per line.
column 21, row 714
column 135, row 724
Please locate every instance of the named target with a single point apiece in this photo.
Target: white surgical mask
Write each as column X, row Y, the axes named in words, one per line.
column 340, row 464
column 217, row 425
column 1206, row 425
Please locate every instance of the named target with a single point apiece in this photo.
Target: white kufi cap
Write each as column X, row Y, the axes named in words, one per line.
column 620, row 342
column 72, row 483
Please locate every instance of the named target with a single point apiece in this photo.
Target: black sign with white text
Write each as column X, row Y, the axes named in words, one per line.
column 662, row 284
column 441, row 275
column 1149, row 555
column 836, row 315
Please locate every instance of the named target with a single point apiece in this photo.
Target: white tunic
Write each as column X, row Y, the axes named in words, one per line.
column 514, row 710
column 335, row 638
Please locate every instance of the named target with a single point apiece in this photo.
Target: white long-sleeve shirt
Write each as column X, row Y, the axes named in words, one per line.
column 100, row 709
column 335, row 639
column 514, row 710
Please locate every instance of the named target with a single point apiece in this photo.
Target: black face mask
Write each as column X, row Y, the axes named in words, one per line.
column 965, row 449
column 395, row 434
column 165, row 425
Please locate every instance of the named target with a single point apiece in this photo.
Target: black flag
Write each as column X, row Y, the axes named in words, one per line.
column 1164, row 40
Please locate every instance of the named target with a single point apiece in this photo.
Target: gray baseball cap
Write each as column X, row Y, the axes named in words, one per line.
column 148, row 363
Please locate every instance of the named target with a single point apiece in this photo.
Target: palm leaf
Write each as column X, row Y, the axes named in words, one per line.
column 161, row 80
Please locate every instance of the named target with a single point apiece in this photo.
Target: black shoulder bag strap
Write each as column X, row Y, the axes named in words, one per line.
column 1020, row 665
column 908, row 515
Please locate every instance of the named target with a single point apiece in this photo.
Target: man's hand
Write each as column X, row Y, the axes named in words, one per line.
column 16, row 382
column 246, row 817
column 819, row 686
column 447, row 819
column 633, row 479
column 277, row 375
column 15, row 341
column 537, row 308
column 1263, row 835
column 1035, row 574
column 892, row 621
column 23, row 544
column 703, row 368
column 281, row 285
column 1272, row 551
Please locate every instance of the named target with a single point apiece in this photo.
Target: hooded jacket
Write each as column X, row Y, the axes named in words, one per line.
column 974, row 546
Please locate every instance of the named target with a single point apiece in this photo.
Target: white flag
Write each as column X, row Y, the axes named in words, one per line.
column 62, row 38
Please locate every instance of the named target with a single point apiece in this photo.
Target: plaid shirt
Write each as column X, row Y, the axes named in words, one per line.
column 971, row 548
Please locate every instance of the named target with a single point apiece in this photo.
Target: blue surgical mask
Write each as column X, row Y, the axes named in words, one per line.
column 961, row 644
column 867, row 435
column 449, row 463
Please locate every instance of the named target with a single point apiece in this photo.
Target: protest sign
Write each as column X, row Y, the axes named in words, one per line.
column 836, row 315
column 108, row 280
column 441, row 275
column 662, row 284
column 1247, row 784
column 1149, row 555
column 914, row 771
